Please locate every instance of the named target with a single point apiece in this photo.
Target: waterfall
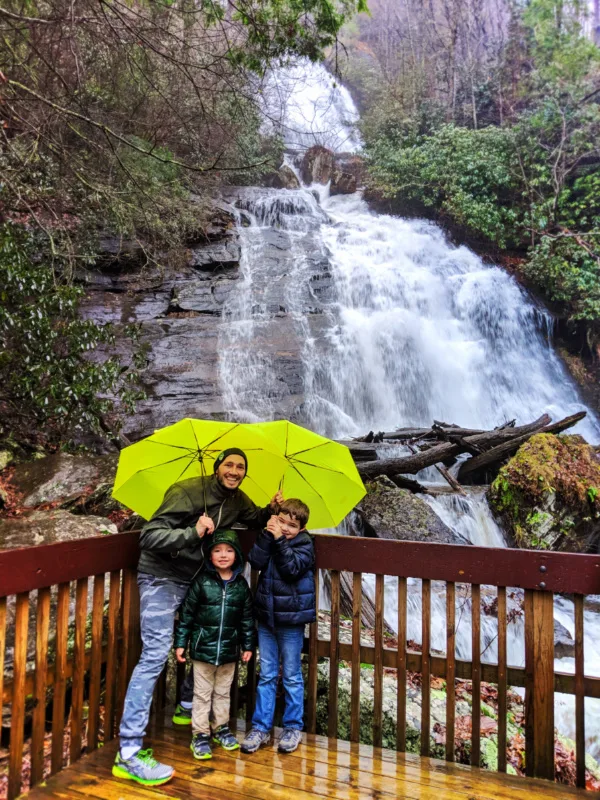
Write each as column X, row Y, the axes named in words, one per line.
column 376, row 322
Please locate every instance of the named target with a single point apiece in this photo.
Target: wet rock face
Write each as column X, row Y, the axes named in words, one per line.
column 388, row 512
column 284, row 178
column 317, row 165
column 548, row 495
column 345, row 172
column 61, row 477
column 48, row 527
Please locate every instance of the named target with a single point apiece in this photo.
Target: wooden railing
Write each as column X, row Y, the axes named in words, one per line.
column 86, row 643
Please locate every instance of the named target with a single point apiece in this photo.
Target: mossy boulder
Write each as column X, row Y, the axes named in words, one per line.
column 548, row 495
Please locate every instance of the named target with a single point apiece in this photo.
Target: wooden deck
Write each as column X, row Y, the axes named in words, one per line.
column 320, row 768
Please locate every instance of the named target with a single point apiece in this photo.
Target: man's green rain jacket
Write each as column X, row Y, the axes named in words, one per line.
column 170, row 545
column 216, row 616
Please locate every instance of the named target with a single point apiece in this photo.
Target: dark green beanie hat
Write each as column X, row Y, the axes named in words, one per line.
column 231, row 451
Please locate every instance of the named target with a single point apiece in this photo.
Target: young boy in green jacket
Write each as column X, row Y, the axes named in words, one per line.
column 216, row 621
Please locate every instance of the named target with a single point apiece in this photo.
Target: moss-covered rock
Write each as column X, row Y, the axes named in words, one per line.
column 548, row 495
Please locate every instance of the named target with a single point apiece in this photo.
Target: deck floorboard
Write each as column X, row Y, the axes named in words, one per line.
column 320, row 768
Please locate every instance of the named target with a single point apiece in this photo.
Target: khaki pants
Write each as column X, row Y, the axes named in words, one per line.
column 211, row 691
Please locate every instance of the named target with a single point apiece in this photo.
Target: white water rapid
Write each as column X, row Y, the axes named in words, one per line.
column 346, row 320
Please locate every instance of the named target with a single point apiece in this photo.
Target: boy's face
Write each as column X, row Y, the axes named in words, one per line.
column 289, row 527
column 231, row 472
column 222, row 556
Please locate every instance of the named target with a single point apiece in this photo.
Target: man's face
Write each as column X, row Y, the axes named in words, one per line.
column 231, row 472
column 222, row 556
column 289, row 527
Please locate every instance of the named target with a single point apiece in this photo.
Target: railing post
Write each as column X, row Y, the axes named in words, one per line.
column 539, row 684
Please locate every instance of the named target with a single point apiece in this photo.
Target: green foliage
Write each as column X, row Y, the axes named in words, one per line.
column 53, row 379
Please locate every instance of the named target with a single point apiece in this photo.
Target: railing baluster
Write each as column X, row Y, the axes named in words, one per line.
column 539, row 690
column 450, row 668
column 60, row 680
column 111, row 655
column 96, row 663
column 313, row 660
column 42, row 626
column 579, row 692
column 334, row 647
column 81, row 594
column 401, row 668
column 15, row 761
column 378, row 671
column 2, row 648
column 502, row 679
column 426, row 665
column 126, row 603
column 476, row 675
column 355, row 688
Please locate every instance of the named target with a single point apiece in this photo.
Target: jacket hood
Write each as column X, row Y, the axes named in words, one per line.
column 225, row 537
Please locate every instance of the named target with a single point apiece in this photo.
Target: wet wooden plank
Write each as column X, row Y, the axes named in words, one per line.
column 334, row 654
column 111, row 655
column 355, row 685
column 81, row 596
column 42, row 625
column 378, row 671
column 313, row 658
column 476, row 675
column 425, row 666
column 578, row 601
column 2, row 648
column 15, row 758
column 450, row 669
column 401, row 667
column 60, row 679
column 502, row 678
column 96, row 664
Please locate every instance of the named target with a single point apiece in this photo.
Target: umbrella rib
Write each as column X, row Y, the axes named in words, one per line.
column 216, row 439
column 258, row 486
column 309, row 484
column 166, row 444
column 319, row 466
column 164, row 463
column 308, row 449
column 187, row 466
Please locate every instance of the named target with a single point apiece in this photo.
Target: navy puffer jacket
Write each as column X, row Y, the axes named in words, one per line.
column 286, row 587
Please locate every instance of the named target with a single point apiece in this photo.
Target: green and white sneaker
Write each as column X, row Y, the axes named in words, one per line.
column 142, row 768
column 225, row 738
column 200, row 746
column 182, row 716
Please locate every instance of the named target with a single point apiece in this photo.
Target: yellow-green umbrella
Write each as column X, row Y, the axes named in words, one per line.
column 319, row 471
column 188, row 449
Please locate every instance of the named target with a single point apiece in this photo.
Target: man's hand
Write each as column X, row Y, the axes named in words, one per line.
column 276, row 501
column 246, row 656
column 274, row 527
column 204, row 525
column 179, row 654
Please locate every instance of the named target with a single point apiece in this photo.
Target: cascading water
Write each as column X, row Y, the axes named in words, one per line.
column 376, row 322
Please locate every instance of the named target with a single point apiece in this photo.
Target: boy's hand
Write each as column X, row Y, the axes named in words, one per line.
column 179, row 654
column 274, row 527
column 204, row 525
column 246, row 656
column 276, row 501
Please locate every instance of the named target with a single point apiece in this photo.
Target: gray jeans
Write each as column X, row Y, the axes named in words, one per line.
column 159, row 600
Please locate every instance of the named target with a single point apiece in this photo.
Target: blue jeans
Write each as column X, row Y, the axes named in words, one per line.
column 159, row 600
column 283, row 644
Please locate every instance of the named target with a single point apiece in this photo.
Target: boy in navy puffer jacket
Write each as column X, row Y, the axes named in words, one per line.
column 284, row 603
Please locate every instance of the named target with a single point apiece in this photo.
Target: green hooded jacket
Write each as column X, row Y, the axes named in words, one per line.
column 170, row 545
column 216, row 617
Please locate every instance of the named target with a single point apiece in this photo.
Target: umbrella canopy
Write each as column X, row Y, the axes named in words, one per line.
column 188, row 449
column 318, row 471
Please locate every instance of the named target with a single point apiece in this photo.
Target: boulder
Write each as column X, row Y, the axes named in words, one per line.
column 343, row 183
column 317, row 165
column 224, row 254
column 47, row 527
column 284, row 178
column 62, row 477
column 564, row 645
column 387, row 512
column 547, row 496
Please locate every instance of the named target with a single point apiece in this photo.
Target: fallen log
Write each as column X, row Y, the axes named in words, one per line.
column 441, row 452
column 503, row 451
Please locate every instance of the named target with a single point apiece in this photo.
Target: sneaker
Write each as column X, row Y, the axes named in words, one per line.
column 143, row 768
column 254, row 739
column 225, row 738
column 182, row 716
column 290, row 739
column 200, row 746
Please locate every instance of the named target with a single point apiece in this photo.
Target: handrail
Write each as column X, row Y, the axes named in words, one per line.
column 115, row 639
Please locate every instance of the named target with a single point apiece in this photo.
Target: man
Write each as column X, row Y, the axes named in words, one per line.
column 172, row 554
